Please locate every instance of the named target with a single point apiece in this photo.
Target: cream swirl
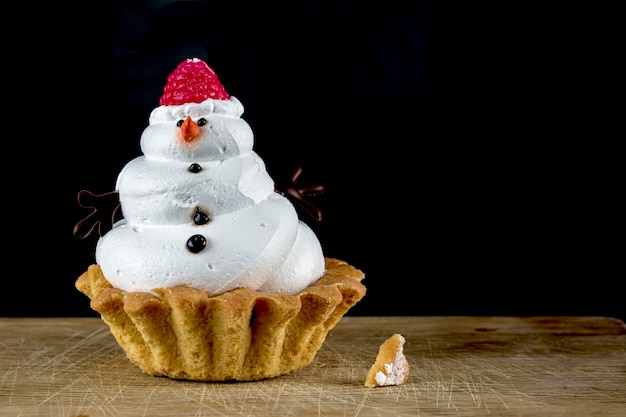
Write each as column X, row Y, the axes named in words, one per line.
column 199, row 209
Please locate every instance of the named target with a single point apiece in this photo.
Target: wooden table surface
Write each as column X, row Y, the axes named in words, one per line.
column 460, row 366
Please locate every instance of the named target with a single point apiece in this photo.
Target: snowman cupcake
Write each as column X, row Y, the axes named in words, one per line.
column 209, row 274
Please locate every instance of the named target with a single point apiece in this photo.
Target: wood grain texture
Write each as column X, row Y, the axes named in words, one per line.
column 460, row 366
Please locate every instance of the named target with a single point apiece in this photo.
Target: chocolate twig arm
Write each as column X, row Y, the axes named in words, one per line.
column 102, row 216
column 298, row 194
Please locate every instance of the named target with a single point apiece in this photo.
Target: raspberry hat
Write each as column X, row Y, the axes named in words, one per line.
column 193, row 81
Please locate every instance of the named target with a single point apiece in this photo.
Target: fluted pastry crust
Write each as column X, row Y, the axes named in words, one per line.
column 243, row 334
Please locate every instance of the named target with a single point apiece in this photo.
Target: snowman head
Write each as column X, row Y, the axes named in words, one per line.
column 197, row 120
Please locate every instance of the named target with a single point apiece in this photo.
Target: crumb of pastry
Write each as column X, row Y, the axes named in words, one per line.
column 391, row 366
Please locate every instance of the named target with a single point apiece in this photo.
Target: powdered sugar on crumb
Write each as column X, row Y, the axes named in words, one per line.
column 394, row 372
column 389, row 373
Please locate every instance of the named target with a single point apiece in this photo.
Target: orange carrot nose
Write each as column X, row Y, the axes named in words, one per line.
column 189, row 130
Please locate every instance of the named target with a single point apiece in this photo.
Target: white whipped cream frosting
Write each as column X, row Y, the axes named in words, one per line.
column 254, row 237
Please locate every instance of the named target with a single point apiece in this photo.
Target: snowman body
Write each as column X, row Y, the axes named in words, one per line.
column 200, row 209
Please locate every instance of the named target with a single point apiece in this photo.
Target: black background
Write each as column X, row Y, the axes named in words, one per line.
column 469, row 156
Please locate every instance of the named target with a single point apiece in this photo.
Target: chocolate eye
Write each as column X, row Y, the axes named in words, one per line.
column 201, row 121
column 180, row 123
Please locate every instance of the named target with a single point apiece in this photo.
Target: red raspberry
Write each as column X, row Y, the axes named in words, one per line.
column 193, row 81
